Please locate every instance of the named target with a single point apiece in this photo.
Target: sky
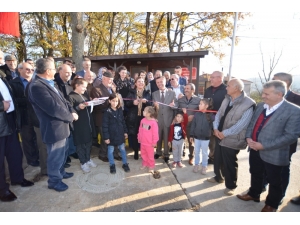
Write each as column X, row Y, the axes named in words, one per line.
column 274, row 32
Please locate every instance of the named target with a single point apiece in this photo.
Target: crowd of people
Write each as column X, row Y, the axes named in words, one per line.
column 158, row 113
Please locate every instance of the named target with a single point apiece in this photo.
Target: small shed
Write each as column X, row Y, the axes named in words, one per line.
column 151, row 62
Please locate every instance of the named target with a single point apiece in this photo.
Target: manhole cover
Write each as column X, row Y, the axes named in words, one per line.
column 100, row 180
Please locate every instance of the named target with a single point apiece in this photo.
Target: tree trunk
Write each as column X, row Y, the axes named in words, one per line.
column 21, row 47
column 49, row 18
column 77, row 38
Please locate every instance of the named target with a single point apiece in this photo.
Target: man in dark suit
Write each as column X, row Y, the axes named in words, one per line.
column 86, row 64
column 153, row 86
column 10, row 147
column 293, row 98
column 28, row 135
column 217, row 92
column 275, row 125
column 55, row 117
column 165, row 115
column 9, row 68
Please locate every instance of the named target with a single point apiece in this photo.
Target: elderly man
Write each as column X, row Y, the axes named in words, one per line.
column 295, row 99
column 64, row 85
column 217, row 92
column 10, row 67
column 86, row 64
column 230, row 126
column 274, row 127
column 28, row 134
column 165, row 115
column 55, row 116
column 178, row 71
column 10, row 147
column 104, row 89
column 189, row 102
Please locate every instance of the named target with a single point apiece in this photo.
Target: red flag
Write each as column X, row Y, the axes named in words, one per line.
column 9, row 23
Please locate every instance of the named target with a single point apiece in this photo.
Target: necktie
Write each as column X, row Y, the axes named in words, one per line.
column 162, row 97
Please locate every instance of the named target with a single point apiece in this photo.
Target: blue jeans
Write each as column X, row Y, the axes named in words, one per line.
column 201, row 144
column 57, row 155
column 72, row 147
column 110, row 153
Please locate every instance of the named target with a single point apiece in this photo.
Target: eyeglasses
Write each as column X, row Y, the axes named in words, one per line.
column 172, row 78
column 29, row 70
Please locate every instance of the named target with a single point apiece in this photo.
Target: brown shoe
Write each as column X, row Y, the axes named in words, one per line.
column 247, row 197
column 268, row 208
column 191, row 161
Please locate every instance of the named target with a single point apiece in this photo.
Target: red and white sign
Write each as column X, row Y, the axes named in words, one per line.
column 186, row 73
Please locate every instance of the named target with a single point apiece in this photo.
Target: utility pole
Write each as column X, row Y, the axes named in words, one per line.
column 232, row 46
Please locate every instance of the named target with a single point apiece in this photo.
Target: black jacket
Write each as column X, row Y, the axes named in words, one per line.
column 21, row 100
column 132, row 118
column 65, row 88
column 7, row 71
column 6, row 128
column 52, row 110
column 201, row 128
column 217, row 97
column 114, row 127
column 84, row 128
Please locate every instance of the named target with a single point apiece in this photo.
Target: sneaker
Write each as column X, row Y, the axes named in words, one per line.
column 179, row 164
column 203, row 171
column 91, row 163
column 143, row 167
column 174, row 164
column 126, row 167
column 151, row 171
column 112, row 168
column 229, row 192
column 85, row 167
column 196, row 169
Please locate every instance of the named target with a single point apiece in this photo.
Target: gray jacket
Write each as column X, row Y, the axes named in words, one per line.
column 240, row 105
column 281, row 130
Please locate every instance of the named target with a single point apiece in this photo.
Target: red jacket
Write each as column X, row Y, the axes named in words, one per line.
column 183, row 126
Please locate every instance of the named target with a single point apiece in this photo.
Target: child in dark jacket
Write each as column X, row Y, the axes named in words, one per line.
column 83, row 127
column 177, row 136
column 114, row 132
column 200, row 132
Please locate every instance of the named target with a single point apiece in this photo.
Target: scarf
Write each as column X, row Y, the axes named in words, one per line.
column 139, row 94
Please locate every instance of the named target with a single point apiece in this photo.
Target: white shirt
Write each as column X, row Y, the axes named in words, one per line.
column 177, row 91
column 6, row 96
column 272, row 109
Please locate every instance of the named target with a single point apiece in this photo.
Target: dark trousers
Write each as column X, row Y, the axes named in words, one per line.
column 134, row 141
column 226, row 165
column 42, row 151
column 84, row 152
column 29, row 144
column 10, row 149
column 191, row 145
column 57, row 155
column 212, row 145
column 285, row 174
column 257, row 169
column 163, row 133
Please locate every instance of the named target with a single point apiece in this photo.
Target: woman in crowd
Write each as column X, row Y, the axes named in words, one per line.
column 140, row 98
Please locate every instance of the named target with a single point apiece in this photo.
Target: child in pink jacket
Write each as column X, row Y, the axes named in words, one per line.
column 148, row 137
